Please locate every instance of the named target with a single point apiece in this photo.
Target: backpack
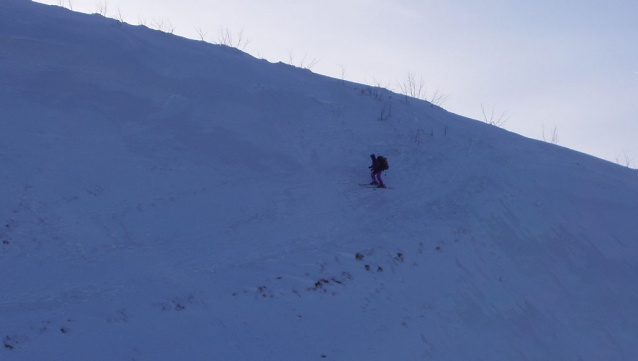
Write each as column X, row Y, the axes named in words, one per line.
column 383, row 163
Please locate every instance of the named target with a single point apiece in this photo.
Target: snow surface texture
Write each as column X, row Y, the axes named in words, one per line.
column 168, row 199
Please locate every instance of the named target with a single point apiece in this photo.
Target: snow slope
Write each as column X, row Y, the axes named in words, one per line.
column 168, row 199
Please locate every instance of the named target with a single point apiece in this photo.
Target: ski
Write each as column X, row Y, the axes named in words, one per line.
column 373, row 186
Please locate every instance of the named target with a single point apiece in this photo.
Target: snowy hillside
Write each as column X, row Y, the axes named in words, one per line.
column 169, row 199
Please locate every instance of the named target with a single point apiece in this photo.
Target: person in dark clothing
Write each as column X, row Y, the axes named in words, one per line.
column 377, row 169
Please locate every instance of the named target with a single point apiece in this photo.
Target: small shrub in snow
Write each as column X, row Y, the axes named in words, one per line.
column 62, row 3
column 319, row 286
column 386, row 111
column 493, row 118
column 304, row 63
column 411, row 87
column 554, row 137
column 164, row 26
column 625, row 160
column 377, row 92
column 438, row 98
column 102, row 7
column 265, row 292
column 419, row 135
column 343, row 75
column 200, row 33
column 119, row 17
column 11, row 342
column 179, row 307
column 415, row 88
column 226, row 38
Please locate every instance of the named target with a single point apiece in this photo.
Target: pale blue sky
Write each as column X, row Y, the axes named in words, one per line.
column 572, row 65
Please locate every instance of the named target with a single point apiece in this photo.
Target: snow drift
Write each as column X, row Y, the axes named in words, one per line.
column 169, row 199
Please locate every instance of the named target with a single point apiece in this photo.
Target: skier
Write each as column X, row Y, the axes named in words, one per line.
column 379, row 164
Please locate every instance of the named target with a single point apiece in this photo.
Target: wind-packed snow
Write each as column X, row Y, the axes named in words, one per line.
column 169, row 199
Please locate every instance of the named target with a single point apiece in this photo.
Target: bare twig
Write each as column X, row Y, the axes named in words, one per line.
column 554, row 138
column 226, row 38
column 308, row 65
column 625, row 159
column 343, row 75
column 386, row 111
column 102, row 7
column 62, row 3
column 164, row 26
column 438, row 97
column 411, row 87
column 119, row 17
column 200, row 33
column 304, row 64
column 493, row 118
column 415, row 88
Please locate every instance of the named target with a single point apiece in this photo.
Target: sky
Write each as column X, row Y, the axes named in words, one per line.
column 566, row 68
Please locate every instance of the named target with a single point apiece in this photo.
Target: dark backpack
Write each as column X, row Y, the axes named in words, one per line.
column 383, row 163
